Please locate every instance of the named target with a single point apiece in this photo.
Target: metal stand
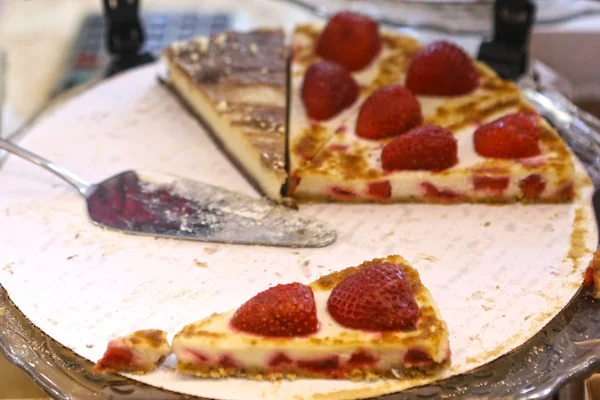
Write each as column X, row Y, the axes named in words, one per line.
column 124, row 35
column 507, row 52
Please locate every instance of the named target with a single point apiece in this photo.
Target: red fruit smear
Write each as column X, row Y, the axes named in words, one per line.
column 281, row 311
column 532, row 186
column 199, row 357
column 116, row 357
column 279, row 360
column 424, row 148
column 442, row 69
column 442, row 196
column 376, row 298
column 350, row 39
column 329, row 363
column 362, row 358
column 491, row 184
column 380, row 190
column 588, row 277
column 417, row 357
column 226, row 361
column 565, row 193
column 390, row 111
column 341, row 193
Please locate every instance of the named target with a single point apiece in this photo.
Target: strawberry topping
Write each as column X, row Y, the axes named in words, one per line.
column 512, row 136
column 376, row 298
column 390, row 111
column 281, row 311
column 115, row 357
column 328, row 88
column 350, row 39
column 442, row 69
column 424, row 148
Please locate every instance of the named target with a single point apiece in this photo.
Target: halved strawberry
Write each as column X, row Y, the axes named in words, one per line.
column 281, row 311
column 377, row 298
column 442, row 69
column 327, row 89
column 427, row 147
column 350, row 39
column 390, row 111
column 512, row 136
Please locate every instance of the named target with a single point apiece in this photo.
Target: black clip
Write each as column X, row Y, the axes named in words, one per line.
column 124, row 35
column 507, row 53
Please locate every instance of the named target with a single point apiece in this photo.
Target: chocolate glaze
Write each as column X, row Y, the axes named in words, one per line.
column 228, row 64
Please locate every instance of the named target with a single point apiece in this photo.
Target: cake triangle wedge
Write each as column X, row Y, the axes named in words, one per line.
column 364, row 322
column 236, row 84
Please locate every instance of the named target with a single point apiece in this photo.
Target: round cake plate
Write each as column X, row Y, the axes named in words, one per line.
column 119, row 127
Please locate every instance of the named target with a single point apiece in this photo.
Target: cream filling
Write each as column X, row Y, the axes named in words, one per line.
column 409, row 184
column 269, row 180
column 255, row 352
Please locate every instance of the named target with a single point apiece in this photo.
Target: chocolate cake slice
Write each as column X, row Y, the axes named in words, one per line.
column 236, row 84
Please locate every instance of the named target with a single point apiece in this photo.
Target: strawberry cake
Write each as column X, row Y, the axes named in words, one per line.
column 375, row 116
column 140, row 352
column 364, row 322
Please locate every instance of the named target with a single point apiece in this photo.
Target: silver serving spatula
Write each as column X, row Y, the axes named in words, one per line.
column 145, row 203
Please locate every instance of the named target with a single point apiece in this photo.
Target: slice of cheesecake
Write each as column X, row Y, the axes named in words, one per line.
column 236, row 83
column 486, row 159
column 369, row 321
column 140, row 352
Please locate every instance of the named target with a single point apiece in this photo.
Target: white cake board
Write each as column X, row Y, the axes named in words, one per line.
column 498, row 273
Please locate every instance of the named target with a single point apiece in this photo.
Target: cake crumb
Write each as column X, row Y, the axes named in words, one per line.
column 89, row 346
column 200, row 264
column 264, row 71
column 222, row 106
column 390, row 233
column 8, row 268
column 253, row 48
column 72, row 257
column 211, row 250
column 488, row 223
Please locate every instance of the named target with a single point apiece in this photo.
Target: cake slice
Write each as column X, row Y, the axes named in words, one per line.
column 369, row 321
column 140, row 352
column 428, row 124
column 236, row 83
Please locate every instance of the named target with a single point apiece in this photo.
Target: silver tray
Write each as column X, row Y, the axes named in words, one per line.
column 568, row 348
column 449, row 16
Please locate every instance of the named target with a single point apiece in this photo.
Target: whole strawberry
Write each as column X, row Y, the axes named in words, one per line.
column 350, row 39
column 442, row 69
column 328, row 88
column 377, row 298
column 427, row 147
column 512, row 136
column 281, row 311
column 390, row 111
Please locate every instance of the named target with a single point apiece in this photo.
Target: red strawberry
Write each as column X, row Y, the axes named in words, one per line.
column 512, row 136
column 532, row 186
column 427, row 147
column 115, row 357
column 327, row 89
column 377, row 298
column 350, row 39
column 283, row 310
column 442, row 69
column 390, row 111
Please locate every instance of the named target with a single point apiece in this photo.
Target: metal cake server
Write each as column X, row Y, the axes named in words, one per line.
column 146, row 203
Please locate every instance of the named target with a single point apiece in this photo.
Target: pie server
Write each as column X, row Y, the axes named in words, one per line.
column 153, row 204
